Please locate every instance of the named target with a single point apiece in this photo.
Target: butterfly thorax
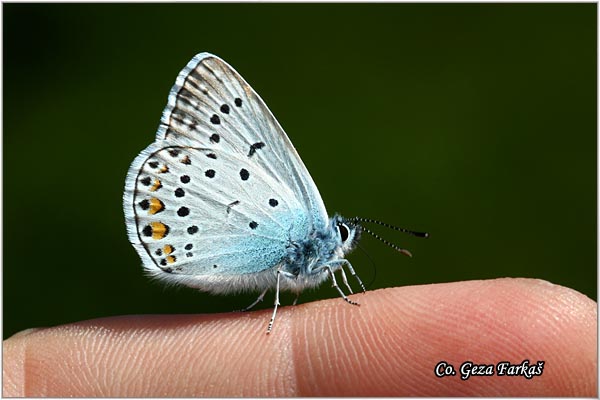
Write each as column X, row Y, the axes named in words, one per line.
column 309, row 260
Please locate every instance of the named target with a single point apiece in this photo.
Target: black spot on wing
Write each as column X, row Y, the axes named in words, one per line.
column 234, row 203
column 254, row 147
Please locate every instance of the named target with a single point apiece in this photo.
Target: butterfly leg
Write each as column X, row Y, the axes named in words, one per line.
column 260, row 298
column 296, row 299
column 276, row 303
column 362, row 286
column 335, row 285
column 345, row 280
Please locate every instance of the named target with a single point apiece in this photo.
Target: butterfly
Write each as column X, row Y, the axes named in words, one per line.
column 222, row 202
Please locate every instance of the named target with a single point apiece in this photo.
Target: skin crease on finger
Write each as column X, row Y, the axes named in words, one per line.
column 389, row 346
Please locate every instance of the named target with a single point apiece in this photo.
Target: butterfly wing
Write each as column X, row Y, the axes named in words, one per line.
column 222, row 191
column 212, row 104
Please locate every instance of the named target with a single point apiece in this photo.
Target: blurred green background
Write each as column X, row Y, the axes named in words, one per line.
column 476, row 123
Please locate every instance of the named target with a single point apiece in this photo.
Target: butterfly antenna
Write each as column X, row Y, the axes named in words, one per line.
column 374, row 221
column 358, row 220
column 392, row 245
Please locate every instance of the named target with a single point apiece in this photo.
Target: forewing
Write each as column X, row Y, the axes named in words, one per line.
column 212, row 106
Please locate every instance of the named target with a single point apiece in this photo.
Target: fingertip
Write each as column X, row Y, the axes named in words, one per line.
column 391, row 345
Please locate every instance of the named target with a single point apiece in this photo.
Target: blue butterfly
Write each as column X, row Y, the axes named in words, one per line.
column 222, row 202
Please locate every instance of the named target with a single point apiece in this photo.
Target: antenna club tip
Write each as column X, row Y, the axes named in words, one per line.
column 405, row 252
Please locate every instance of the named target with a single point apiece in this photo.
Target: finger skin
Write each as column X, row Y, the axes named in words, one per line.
column 389, row 346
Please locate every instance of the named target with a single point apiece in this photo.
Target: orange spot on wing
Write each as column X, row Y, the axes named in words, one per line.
column 168, row 249
column 159, row 230
column 157, row 185
column 156, row 206
column 171, row 259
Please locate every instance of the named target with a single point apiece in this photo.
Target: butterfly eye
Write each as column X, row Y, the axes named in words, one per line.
column 344, row 232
